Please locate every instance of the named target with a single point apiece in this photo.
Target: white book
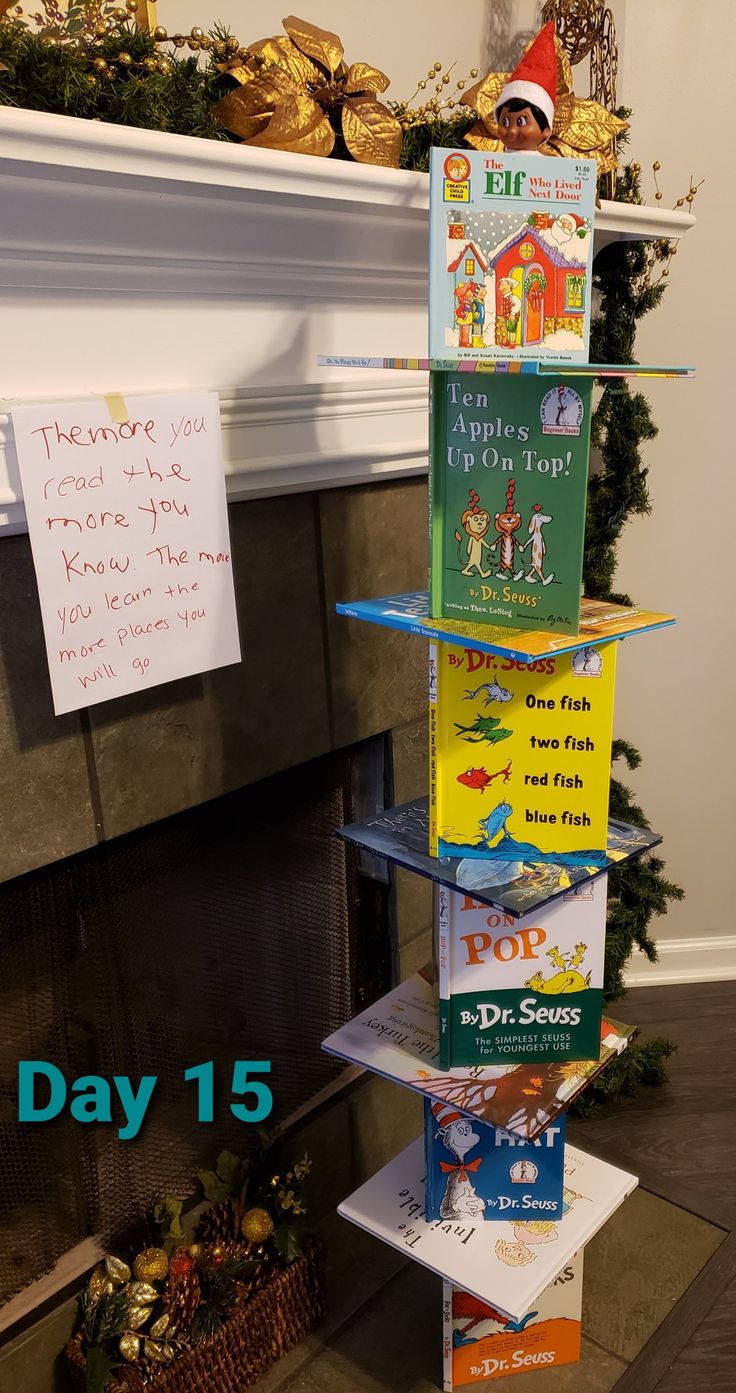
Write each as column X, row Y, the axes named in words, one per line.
column 397, row 1037
column 507, row 1265
column 529, row 988
column 478, row 1343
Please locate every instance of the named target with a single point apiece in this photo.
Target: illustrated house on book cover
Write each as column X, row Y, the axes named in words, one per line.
column 396, row 1037
column 529, row 987
column 511, row 243
column 520, row 756
column 508, row 491
column 480, row 1343
column 507, row 1264
column 474, row 1171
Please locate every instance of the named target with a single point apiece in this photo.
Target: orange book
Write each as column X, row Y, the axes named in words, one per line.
column 480, row 1343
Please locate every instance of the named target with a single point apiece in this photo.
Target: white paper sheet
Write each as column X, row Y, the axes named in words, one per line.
column 129, row 532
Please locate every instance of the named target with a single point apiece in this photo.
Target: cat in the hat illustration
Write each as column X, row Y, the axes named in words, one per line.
column 459, row 1200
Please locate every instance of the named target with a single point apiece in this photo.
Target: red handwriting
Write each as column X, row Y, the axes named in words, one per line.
column 140, row 665
column 164, row 505
column 91, row 568
column 131, row 597
column 139, row 630
column 90, row 522
column 190, row 616
column 70, row 655
column 214, row 558
column 188, row 426
column 74, row 615
column 167, row 557
column 180, row 589
column 99, row 674
column 132, row 473
column 54, row 435
column 73, row 483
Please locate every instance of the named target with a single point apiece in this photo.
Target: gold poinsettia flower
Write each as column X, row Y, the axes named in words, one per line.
column 295, row 90
column 581, row 128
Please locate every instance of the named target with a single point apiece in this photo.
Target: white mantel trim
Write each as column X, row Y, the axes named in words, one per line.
column 133, row 260
column 57, row 146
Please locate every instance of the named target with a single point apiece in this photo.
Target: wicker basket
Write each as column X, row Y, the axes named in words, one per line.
column 255, row 1336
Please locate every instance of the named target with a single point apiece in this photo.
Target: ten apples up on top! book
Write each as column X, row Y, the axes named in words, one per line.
column 510, row 248
column 508, row 489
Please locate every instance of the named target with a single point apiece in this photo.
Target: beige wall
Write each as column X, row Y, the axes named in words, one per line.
column 674, row 697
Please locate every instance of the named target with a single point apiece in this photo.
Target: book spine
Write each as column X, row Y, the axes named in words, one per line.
column 437, row 502
column 447, row 1384
column 433, row 746
column 443, row 975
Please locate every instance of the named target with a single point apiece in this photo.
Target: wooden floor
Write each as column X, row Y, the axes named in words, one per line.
column 681, row 1142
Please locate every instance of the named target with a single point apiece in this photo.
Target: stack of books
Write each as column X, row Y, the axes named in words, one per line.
column 507, row 1026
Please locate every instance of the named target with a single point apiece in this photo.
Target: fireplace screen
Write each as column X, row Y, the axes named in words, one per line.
column 223, row 933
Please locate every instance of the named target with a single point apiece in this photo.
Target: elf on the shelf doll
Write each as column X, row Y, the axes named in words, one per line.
column 525, row 109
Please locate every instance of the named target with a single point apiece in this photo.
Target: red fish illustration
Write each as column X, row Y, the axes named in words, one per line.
column 481, row 779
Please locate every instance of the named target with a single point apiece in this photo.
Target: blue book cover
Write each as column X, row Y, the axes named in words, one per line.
column 511, row 250
column 476, row 1171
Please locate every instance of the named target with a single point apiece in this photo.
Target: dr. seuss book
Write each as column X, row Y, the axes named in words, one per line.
column 508, row 488
column 479, row 1343
column 519, row 754
column 530, row 988
column 475, row 1171
column 599, row 623
column 509, row 1263
column 517, row 888
column 510, row 254
column 397, row 1038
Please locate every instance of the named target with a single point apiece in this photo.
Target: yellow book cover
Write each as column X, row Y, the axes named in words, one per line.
column 520, row 756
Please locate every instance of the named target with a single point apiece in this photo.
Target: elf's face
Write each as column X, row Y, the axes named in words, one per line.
column 519, row 130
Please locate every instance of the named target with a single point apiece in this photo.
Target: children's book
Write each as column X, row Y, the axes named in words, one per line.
column 508, row 1264
column 599, row 623
column 397, row 1038
column 530, row 988
column 479, row 1172
column 519, row 757
column 402, row 835
column 508, row 479
column 510, row 255
column 480, row 1343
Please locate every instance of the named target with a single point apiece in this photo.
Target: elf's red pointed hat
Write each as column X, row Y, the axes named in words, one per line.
column 534, row 80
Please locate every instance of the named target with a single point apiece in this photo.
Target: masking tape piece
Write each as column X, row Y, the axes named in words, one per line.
column 118, row 410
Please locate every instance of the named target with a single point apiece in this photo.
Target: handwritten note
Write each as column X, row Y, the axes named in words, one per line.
column 129, row 532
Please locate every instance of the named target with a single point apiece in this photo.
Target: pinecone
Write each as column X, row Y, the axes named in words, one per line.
column 181, row 1297
column 220, row 1223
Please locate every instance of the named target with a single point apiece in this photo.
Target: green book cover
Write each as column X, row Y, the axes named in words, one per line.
column 508, row 487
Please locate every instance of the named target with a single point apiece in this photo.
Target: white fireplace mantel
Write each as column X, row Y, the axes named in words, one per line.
column 136, row 261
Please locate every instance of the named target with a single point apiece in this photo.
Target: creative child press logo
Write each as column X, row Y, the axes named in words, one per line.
column 457, row 168
column 562, row 411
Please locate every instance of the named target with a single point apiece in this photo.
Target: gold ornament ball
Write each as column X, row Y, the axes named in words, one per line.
column 232, row 45
column 99, row 65
column 129, row 1345
column 257, row 1225
column 656, row 166
column 474, row 72
column 151, row 1265
column 196, row 32
column 131, row 6
column 160, row 34
column 689, row 198
column 124, row 59
column 149, row 64
column 658, row 196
